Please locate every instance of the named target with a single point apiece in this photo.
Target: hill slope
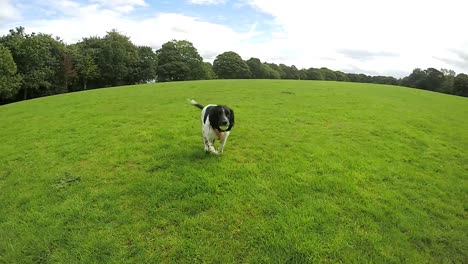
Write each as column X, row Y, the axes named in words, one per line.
column 313, row 171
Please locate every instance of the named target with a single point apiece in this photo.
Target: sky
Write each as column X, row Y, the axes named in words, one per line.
column 375, row 37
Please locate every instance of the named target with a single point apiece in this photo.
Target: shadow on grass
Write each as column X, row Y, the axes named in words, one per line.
column 196, row 154
column 191, row 156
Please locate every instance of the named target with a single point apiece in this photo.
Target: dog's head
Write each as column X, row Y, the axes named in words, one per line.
column 222, row 117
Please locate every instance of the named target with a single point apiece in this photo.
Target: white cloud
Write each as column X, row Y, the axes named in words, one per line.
column 415, row 31
column 390, row 37
column 96, row 19
column 8, row 11
column 121, row 2
column 207, row 2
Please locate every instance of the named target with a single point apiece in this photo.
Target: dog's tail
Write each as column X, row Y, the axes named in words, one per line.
column 195, row 103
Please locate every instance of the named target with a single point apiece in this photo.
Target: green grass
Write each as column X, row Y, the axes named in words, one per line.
column 313, row 172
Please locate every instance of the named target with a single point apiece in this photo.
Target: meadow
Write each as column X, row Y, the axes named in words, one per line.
column 313, row 172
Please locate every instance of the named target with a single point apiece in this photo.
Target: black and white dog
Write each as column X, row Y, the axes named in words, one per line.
column 217, row 122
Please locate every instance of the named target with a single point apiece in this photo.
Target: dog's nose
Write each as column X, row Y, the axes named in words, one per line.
column 224, row 123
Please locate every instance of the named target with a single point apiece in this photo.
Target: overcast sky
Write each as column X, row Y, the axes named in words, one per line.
column 377, row 37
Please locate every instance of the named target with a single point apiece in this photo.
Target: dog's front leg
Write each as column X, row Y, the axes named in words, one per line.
column 222, row 142
column 209, row 146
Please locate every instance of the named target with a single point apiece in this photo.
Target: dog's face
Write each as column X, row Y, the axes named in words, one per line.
column 222, row 118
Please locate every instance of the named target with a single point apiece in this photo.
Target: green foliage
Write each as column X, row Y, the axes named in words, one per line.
column 303, row 74
column 328, row 74
column 449, row 78
column 13, row 41
column 460, row 84
column 433, row 80
column 44, row 63
column 415, row 79
column 192, row 58
column 289, row 72
column 208, row 73
column 179, row 61
column 7, row 64
column 276, row 68
column 271, row 73
column 173, row 71
column 171, row 66
column 38, row 60
column 85, row 65
column 341, row 76
column 257, row 69
column 313, row 74
column 229, row 65
column 117, row 59
column 343, row 173
column 429, row 79
column 261, row 70
column 384, row 80
column 146, row 66
column 10, row 81
column 67, row 71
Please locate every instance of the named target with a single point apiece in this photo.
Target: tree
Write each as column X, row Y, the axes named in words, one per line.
column 37, row 59
column 415, row 79
column 449, row 78
column 192, row 58
column 352, row 77
column 290, row 72
column 115, row 57
column 303, row 74
column 171, row 66
column 257, row 69
column 229, row 65
column 384, row 80
column 10, row 81
column 341, row 76
column 36, row 64
column 313, row 74
column 271, row 73
column 364, row 78
column 45, row 63
column 179, row 61
column 146, row 66
column 173, row 71
column 433, row 80
column 87, row 68
column 68, row 71
column 460, row 84
column 276, row 68
column 328, row 74
column 13, row 41
column 209, row 74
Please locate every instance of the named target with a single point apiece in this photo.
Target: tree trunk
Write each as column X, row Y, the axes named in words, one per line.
column 84, row 84
column 25, row 93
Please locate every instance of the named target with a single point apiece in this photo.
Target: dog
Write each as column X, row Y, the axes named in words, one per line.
column 217, row 122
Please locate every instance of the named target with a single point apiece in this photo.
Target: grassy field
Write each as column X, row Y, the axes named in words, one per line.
column 313, row 172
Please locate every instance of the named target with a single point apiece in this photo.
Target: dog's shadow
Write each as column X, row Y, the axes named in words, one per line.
column 196, row 154
column 190, row 157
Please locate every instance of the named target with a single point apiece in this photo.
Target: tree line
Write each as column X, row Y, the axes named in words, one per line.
column 35, row 65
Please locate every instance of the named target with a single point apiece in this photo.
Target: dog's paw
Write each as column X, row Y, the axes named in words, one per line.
column 211, row 150
column 214, row 151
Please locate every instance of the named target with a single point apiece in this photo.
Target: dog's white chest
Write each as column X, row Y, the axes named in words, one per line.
column 209, row 132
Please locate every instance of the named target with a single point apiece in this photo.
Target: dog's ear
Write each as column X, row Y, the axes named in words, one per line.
column 231, row 119
column 215, row 115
